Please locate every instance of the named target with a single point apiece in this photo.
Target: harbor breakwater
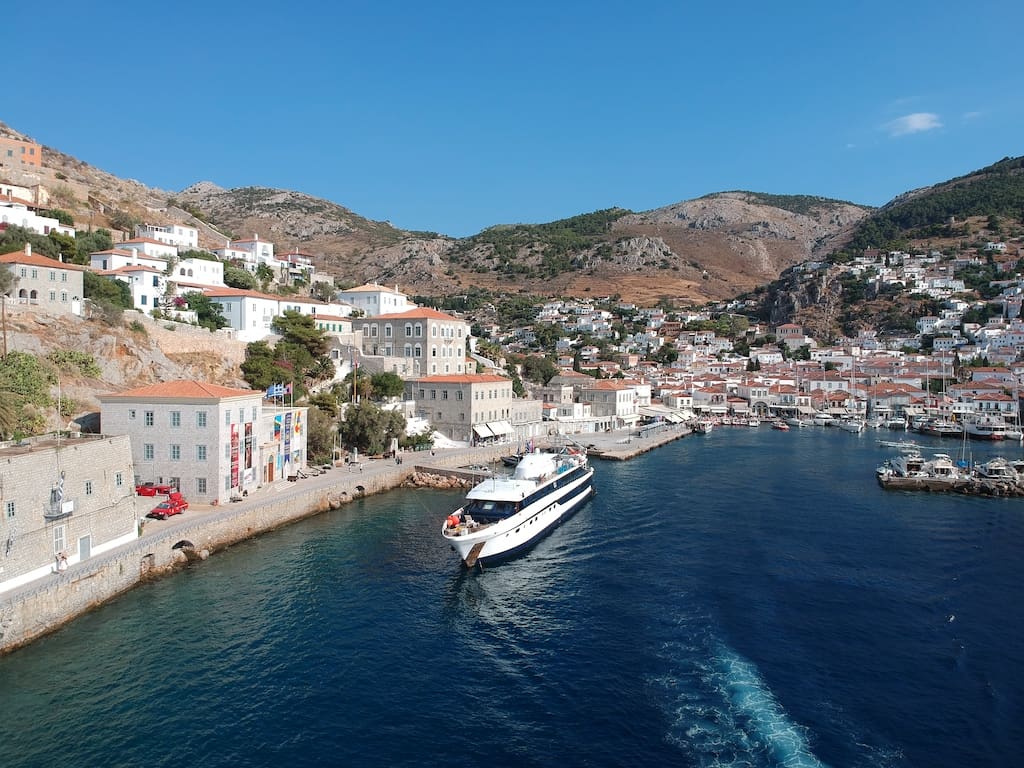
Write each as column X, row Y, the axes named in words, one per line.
column 31, row 611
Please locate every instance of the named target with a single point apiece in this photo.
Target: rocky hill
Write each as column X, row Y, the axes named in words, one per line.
column 140, row 352
column 710, row 248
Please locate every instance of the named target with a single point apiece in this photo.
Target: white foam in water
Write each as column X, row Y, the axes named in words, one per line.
column 783, row 739
column 723, row 713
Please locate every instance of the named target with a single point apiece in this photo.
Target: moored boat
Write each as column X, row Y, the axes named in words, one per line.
column 985, row 428
column 504, row 516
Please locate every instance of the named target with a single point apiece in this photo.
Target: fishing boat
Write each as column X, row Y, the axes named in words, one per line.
column 851, row 424
column 703, row 427
column 504, row 516
column 780, row 425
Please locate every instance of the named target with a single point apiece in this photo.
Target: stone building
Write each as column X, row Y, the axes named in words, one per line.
column 45, row 283
column 214, row 443
column 415, row 343
column 72, row 495
column 467, row 408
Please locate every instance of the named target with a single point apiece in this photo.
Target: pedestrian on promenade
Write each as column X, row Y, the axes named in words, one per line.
column 62, row 563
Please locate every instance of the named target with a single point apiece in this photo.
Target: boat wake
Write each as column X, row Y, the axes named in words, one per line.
column 721, row 712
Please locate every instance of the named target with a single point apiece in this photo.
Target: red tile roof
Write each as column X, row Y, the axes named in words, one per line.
column 418, row 312
column 35, row 260
column 183, row 390
column 479, row 378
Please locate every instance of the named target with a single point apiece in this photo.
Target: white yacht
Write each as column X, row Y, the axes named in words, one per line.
column 503, row 516
column 985, row 428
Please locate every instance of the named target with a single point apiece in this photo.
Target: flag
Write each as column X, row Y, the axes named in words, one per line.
column 275, row 390
column 287, row 389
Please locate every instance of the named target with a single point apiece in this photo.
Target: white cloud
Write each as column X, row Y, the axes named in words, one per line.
column 914, row 123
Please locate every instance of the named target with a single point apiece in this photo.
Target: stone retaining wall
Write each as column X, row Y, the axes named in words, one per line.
column 42, row 607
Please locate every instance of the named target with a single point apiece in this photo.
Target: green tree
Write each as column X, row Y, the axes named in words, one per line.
column 320, row 432
column 296, row 328
column 106, row 291
column 236, row 277
column 260, row 368
column 386, row 385
column 91, row 242
column 14, row 239
column 265, row 275
column 369, row 428
column 60, row 215
column 207, row 311
column 66, row 244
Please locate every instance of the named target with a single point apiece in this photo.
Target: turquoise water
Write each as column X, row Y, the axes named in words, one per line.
column 748, row 598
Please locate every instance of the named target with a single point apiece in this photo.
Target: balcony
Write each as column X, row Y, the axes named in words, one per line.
column 58, row 510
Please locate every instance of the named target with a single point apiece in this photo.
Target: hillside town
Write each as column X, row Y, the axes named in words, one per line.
column 579, row 367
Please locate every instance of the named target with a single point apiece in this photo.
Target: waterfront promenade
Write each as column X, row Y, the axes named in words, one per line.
column 44, row 605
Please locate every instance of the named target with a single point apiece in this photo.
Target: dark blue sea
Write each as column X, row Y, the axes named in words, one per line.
column 747, row 598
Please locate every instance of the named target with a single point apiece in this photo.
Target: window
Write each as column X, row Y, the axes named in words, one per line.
column 147, row 418
column 147, row 452
column 417, row 351
column 88, row 487
column 175, row 453
column 227, row 417
column 407, row 350
column 419, row 330
column 433, row 394
column 200, row 453
column 53, row 276
column 201, row 419
column 241, row 415
column 53, row 295
column 119, row 479
column 175, row 418
column 387, row 331
column 63, row 277
column 422, row 394
column 408, row 330
column 131, row 413
column 227, row 451
column 444, row 394
column 433, row 331
column 9, row 508
column 64, row 296
column 201, row 485
column 458, row 395
column 58, row 539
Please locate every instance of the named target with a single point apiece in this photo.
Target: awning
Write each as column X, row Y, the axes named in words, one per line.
column 500, row 427
column 805, row 409
column 674, row 418
column 482, row 430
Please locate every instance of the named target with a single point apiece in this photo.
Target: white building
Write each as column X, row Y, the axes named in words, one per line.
column 182, row 237
column 147, row 246
column 211, row 442
column 15, row 212
column 147, row 285
column 116, row 258
column 372, row 299
column 199, row 272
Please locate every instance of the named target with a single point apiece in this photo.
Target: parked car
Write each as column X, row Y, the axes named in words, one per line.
column 166, row 509
column 155, row 489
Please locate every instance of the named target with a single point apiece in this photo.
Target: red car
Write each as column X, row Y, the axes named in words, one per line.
column 154, row 489
column 165, row 509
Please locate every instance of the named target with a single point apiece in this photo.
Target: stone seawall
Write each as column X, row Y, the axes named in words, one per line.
column 47, row 604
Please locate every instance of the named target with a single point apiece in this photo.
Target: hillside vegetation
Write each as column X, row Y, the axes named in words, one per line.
column 939, row 211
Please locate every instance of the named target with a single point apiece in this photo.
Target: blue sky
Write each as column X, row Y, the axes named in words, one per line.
column 454, row 116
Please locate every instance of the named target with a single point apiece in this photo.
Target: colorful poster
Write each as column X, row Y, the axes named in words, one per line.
column 234, row 455
column 288, row 436
column 277, row 428
column 248, row 445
